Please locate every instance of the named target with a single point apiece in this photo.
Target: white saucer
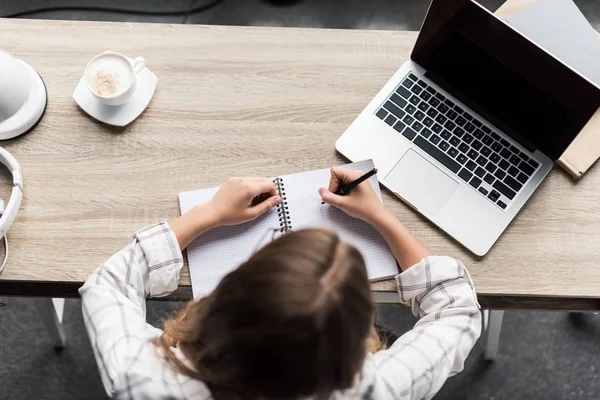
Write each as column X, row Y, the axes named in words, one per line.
column 125, row 113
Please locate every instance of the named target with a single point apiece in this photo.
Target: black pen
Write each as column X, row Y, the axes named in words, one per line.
column 343, row 191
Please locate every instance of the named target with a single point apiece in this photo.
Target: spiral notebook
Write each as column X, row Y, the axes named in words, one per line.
column 216, row 253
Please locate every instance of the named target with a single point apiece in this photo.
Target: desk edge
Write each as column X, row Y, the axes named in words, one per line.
column 184, row 293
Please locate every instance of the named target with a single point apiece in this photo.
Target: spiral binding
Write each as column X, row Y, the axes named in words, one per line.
column 283, row 211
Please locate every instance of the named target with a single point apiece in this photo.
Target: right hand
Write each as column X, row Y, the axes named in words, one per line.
column 362, row 202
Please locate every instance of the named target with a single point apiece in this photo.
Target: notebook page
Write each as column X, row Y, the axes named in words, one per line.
column 306, row 211
column 217, row 252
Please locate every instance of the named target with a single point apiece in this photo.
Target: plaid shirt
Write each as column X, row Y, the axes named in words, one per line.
column 414, row 367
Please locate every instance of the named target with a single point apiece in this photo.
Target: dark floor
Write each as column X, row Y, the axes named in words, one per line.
column 348, row 14
column 542, row 355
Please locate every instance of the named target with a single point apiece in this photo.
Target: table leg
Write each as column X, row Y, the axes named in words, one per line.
column 492, row 324
column 51, row 312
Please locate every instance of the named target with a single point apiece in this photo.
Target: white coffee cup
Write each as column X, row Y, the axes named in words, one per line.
column 112, row 78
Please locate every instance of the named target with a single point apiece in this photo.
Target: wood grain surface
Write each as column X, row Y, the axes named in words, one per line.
column 513, row 6
column 239, row 101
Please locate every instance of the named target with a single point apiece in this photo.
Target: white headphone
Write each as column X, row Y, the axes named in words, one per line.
column 9, row 213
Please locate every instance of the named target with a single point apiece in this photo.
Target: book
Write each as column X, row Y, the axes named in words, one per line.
column 217, row 252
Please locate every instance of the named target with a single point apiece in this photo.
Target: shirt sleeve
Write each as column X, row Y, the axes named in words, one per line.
column 441, row 294
column 113, row 302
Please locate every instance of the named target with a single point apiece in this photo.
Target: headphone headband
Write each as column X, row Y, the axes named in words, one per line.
column 12, row 207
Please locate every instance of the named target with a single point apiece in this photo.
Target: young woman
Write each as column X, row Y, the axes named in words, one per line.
column 295, row 321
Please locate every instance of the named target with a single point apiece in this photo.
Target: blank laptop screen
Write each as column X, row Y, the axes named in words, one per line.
column 503, row 76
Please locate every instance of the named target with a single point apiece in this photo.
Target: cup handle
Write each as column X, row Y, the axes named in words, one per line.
column 138, row 65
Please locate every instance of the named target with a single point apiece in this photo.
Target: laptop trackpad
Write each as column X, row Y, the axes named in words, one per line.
column 419, row 182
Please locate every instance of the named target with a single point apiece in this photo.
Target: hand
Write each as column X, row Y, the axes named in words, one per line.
column 362, row 202
column 241, row 200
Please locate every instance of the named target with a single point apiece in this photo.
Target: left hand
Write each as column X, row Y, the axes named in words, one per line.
column 241, row 200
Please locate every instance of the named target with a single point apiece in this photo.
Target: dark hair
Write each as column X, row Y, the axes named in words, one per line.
column 292, row 321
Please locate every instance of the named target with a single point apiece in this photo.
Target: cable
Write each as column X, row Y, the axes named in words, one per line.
column 177, row 13
column 5, row 253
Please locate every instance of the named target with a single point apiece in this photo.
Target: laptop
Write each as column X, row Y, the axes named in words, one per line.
column 468, row 129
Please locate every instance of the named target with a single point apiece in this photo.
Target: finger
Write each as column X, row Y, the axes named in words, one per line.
column 263, row 185
column 334, row 182
column 339, row 178
column 265, row 206
column 262, row 197
column 330, row 198
column 259, row 199
column 344, row 176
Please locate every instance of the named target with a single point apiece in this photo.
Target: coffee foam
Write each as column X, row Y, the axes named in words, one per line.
column 109, row 75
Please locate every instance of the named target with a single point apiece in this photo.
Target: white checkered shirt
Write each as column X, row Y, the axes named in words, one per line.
column 416, row 366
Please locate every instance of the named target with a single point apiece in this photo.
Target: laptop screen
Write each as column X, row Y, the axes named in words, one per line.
column 503, row 76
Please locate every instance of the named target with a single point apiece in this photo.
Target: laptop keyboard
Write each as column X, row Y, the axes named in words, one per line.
column 459, row 141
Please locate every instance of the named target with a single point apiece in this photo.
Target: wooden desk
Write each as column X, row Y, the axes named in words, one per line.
column 243, row 101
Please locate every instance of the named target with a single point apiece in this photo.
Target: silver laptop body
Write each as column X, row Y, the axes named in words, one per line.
column 424, row 141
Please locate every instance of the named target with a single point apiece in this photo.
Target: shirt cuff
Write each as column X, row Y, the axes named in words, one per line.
column 163, row 257
column 429, row 272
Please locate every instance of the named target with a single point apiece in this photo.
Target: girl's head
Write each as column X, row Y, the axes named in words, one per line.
column 292, row 321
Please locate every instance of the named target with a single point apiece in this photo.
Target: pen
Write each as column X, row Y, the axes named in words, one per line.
column 343, row 191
